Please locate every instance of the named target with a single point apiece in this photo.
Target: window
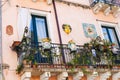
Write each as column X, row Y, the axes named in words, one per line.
column 111, row 35
column 39, row 31
column 39, row 28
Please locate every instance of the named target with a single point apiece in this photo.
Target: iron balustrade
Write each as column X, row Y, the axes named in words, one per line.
column 53, row 55
column 111, row 2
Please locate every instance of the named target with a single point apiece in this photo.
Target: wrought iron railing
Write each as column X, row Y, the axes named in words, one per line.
column 61, row 54
column 97, row 53
column 112, row 2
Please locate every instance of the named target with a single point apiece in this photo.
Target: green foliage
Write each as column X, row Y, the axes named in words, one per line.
column 19, row 68
column 35, row 62
column 29, row 57
column 85, row 71
column 70, row 64
column 102, row 50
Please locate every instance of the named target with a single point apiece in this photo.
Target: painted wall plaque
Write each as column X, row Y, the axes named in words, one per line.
column 9, row 30
column 89, row 30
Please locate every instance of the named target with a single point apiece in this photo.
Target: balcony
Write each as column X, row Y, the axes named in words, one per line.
column 46, row 58
column 55, row 57
column 106, row 6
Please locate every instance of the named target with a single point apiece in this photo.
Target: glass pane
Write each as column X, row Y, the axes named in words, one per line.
column 32, row 31
column 105, row 34
column 113, row 36
column 41, row 28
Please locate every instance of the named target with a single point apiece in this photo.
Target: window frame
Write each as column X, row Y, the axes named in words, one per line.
column 35, row 28
column 38, row 56
column 48, row 20
column 107, row 27
column 109, row 24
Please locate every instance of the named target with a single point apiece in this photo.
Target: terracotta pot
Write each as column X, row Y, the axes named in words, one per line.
column 66, row 66
column 24, row 62
column 34, row 66
column 27, row 65
column 51, row 66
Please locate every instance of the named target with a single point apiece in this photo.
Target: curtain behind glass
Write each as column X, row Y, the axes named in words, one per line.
column 41, row 28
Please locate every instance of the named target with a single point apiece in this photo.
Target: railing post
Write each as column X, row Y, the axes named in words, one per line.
column 63, row 55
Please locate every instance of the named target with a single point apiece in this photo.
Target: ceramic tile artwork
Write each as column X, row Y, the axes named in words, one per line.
column 9, row 30
column 89, row 30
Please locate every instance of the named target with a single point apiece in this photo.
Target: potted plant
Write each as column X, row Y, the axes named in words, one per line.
column 72, row 46
column 35, row 64
column 46, row 44
column 99, row 50
column 19, row 68
column 27, row 60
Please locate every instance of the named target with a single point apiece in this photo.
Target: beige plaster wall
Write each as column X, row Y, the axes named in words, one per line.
column 75, row 16
column 9, row 17
column 9, row 14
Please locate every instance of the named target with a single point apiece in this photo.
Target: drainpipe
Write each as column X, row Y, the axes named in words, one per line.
column 57, row 22
column 1, row 68
column 58, row 28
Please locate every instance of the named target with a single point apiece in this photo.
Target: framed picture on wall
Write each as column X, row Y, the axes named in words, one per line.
column 89, row 30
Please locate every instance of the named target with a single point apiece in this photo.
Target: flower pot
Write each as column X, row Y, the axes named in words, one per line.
column 34, row 66
column 66, row 66
column 27, row 66
column 24, row 62
column 51, row 66
column 72, row 46
column 46, row 45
